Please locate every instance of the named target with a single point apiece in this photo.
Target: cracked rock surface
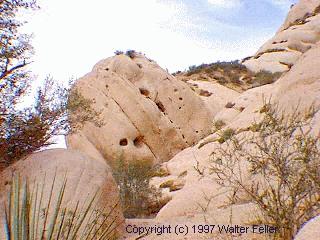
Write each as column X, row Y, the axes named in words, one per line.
column 148, row 114
column 299, row 33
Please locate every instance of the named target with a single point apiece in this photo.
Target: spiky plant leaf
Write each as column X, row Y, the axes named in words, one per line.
column 25, row 219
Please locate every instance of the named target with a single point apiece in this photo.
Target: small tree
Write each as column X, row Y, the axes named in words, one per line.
column 57, row 110
column 276, row 165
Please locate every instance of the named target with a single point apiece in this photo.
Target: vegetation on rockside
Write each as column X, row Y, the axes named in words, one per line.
column 35, row 214
column 138, row 197
column 276, row 167
column 55, row 110
column 230, row 74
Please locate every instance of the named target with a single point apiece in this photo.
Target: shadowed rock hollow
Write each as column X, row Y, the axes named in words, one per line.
column 153, row 116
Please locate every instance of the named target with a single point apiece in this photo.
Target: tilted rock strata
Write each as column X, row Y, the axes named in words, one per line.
column 298, row 34
column 148, row 114
column 297, row 89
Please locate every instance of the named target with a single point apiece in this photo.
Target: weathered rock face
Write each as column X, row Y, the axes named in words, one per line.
column 214, row 95
column 311, row 230
column 84, row 177
column 149, row 115
column 200, row 197
column 297, row 35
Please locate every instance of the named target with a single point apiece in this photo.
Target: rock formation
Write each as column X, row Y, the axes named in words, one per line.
column 311, row 230
column 149, row 115
column 84, row 177
column 300, row 32
column 298, row 87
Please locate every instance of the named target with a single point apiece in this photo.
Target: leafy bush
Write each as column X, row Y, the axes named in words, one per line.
column 118, row 52
column 316, row 10
column 23, row 131
column 160, row 172
column 226, row 135
column 57, row 110
column 27, row 220
column 265, row 77
column 284, row 165
column 209, row 68
column 131, row 53
column 218, row 124
column 167, row 184
column 138, row 198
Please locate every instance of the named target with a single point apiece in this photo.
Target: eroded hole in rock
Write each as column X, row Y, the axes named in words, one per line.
column 107, row 69
column 183, row 136
column 161, row 106
column 180, row 98
column 179, row 107
column 138, row 141
column 176, row 90
column 107, row 86
column 197, row 131
column 241, row 109
column 205, row 93
column 123, row 142
column 230, row 105
column 139, row 65
column 144, row 92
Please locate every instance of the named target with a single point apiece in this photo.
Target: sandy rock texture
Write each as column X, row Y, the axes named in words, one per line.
column 84, row 177
column 311, row 230
column 200, row 197
column 148, row 114
column 298, row 34
column 214, row 95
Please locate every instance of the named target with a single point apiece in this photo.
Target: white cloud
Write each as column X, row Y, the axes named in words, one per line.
column 225, row 3
column 69, row 40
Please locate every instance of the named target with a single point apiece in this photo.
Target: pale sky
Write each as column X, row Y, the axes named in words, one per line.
column 70, row 36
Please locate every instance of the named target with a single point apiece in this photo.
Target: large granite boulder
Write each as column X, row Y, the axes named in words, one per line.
column 201, row 197
column 311, row 230
column 84, row 176
column 300, row 32
column 148, row 114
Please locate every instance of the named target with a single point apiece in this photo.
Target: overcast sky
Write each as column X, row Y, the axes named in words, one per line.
column 71, row 36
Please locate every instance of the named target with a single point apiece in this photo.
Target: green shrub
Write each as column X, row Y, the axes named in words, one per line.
column 316, row 10
column 160, row 172
column 282, row 167
column 167, row 184
column 218, row 124
column 226, row 135
column 138, row 198
column 131, row 53
column 118, row 52
column 265, row 77
column 172, row 185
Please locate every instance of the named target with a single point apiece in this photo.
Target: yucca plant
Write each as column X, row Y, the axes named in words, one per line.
column 28, row 216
